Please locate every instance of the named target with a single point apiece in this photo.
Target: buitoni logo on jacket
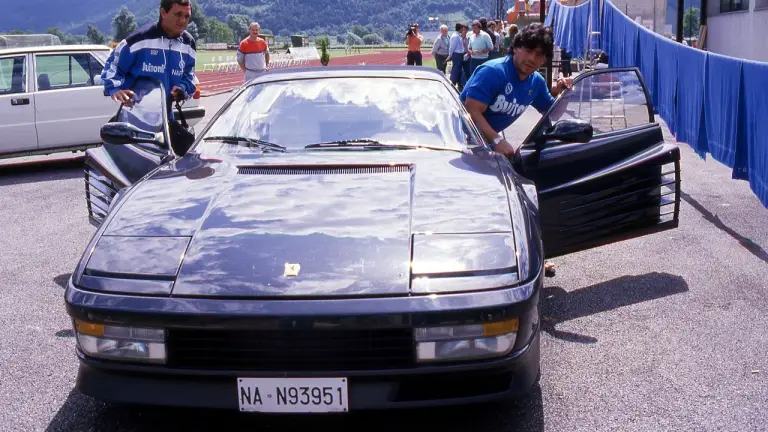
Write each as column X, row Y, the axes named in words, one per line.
column 149, row 52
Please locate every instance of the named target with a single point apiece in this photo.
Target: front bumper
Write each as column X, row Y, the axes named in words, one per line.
column 368, row 390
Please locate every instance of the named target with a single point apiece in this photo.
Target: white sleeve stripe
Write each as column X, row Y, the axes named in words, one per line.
column 112, row 71
column 163, row 44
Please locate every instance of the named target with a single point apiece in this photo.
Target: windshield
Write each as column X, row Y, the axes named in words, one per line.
column 298, row 113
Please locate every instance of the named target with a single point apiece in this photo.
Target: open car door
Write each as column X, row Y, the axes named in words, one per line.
column 135, row 142
column 622, row 183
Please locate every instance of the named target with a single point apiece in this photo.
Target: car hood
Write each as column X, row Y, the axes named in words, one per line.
column 313, row 224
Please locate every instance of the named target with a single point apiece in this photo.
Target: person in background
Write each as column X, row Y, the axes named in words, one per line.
column 510, row 36
column 495, row 53
column 484, row 27
column 480, row 44
column 440, row 49
column 414, row 40
column 163, row 50
column 457, row 51
column 253, row 53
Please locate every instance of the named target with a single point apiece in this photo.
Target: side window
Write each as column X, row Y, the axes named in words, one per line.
column 55, row 72
column 611, row 101
column 96, row 69
column 13, row 75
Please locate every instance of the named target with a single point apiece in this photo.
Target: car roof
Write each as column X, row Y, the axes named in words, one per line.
column 376, row 71
column 53, row 48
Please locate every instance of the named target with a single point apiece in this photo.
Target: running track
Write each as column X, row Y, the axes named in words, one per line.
column 218, row 82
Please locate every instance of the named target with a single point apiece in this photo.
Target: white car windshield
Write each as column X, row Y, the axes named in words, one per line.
column 390, row 111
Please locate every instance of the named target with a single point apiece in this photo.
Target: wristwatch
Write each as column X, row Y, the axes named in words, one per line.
column 497, row 140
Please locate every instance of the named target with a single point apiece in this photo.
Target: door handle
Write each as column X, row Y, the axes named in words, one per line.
column 19, row 101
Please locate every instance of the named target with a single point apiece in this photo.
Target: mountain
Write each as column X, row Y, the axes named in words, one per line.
column 309, row 16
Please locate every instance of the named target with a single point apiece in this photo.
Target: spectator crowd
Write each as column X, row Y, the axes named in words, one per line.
column 466, row 49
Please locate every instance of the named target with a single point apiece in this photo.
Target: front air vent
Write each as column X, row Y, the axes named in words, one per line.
column 322, row 169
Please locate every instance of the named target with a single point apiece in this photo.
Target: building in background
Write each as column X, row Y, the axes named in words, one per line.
column 738, row 28
column 652, row 14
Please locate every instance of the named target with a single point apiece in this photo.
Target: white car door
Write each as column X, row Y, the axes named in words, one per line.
column 17, row 106
column 70, row 102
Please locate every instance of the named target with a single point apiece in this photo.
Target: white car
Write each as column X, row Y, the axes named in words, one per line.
column 52, row 99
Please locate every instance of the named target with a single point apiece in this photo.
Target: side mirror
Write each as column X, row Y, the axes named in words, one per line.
column 119, row 133
column 568, row 131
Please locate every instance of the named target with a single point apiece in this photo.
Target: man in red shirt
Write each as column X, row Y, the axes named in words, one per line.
column 253, row 53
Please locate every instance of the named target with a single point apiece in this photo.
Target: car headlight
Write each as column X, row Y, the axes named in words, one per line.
column 121, row 343
column 466, row 342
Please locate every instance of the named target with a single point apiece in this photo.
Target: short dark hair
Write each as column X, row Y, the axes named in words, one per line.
column 535, row 35
column 168, row 4
column 459, row 26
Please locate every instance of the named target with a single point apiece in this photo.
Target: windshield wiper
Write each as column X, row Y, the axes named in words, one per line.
column 251, row 141
column 364, row 142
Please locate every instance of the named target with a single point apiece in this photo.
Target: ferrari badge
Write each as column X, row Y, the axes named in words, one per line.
column 292, row 269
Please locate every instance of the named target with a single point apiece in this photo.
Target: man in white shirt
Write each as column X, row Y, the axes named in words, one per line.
column 440, row 49
column 480, row 44
column 458, row 55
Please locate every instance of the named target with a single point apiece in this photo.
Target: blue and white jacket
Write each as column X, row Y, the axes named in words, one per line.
column 149, row 52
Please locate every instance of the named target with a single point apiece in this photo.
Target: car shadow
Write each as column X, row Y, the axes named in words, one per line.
column 559, row 305
column 81, row 412
column 41, row 170
column 62, row 279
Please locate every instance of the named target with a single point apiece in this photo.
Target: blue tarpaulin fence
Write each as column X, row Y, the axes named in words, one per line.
column 716, row 104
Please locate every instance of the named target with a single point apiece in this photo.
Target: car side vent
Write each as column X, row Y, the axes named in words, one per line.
column 322, row 169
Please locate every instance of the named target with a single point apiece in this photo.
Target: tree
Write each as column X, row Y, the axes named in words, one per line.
column 387, row 32
column 285, row 32
column 319, row 40
column 373, row 39
column 359, row 30
column 56, row 32
column 71, row 39
column 353, row 39
column 342, row 39
column 218, row 31
column 691, row 22
column 124, row 23
column 239, row 25
column 193, row 30
column 199, row 19
column 95, row 36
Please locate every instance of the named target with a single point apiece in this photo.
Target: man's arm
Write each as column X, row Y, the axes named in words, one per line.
column 561, row 85
column 241, row 57
column 476, row 110
column 118, row 63
column 266, row 54
column 188, row 78
column 485, row 85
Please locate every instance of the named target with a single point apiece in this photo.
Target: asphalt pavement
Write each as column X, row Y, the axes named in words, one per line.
column 665, row 332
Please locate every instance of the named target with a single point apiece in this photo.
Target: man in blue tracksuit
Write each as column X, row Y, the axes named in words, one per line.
column 164, row 50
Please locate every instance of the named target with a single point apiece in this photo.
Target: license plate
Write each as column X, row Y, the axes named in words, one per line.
column 292, row 394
